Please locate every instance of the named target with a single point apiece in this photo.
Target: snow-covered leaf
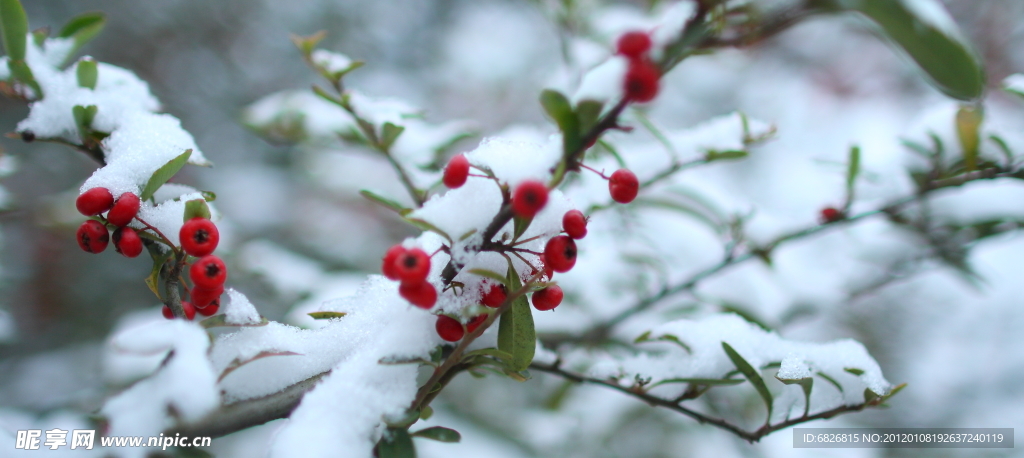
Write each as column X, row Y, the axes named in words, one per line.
column 196, row 208
column 385, row 202
column 164, row 173
column 752, row 375
column 396, row 443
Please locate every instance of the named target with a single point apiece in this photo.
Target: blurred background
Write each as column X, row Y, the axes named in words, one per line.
column 825, row 84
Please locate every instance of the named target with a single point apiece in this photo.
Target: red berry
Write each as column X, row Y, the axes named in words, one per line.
column 92, row 236
column 388, row 266
column 449, row 328
column 127, row 242
column 457, row 172
column 575, row 224
column 211, row 308
column 412, row 266
column 476, row 322
column 167, row 312
column 529, row 198
column 190, row 311
column 124, row 210
column 422, row 294
column 623, row 186
column 494, row 296
column 831, row 215
column 560, row 253
column 547, row 298
column 641, row 82
column 199, row 236
column 633, row 44
column 209, row 272
column 94, row 201
column 203, row 297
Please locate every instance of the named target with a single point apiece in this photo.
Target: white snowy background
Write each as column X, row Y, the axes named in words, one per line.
column 296, row 232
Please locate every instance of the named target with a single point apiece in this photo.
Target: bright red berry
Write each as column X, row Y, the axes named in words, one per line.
column 94, row 201
column 190, row 311
column 167, row 312
column 633, row 44
column 457, row 171
column 412, row 266
column 574, row 224
column 623, row 186
column 831, row 215
column 210, row 309
column 529, row 198
column 124, row 210
column 209, row 272
column 547, row 298
column 127, row 242
column 204, row 297
column 560, row 253
column 449, row 328
column 199, row 236
column 92, row 236
column 388, row 266
column 641, row 82
column 494, row 296
column 476, row 322
column 422, row 294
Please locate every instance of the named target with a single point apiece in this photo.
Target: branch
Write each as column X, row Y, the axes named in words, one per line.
column 749, row 436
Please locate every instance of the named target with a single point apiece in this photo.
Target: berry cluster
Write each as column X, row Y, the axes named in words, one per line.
column 199, row 238
column 411, row 267
column 93, row 234
column 641, row 82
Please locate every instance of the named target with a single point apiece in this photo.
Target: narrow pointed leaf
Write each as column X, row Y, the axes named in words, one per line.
column 492, row 352
column 164, row 173
column 237, row 363
column 490, row 274
column 385, row 202
column 440, row 434
column 806, row 383
column 516, row 334
column 751, row 374
column 426, row 226
column 852, row 169
column 854, row 371
column 702, row 381
column 968, row 123
column 21, row 72
column 221, row 321
column 326, row 315
column 14, row 24
column 830, row 380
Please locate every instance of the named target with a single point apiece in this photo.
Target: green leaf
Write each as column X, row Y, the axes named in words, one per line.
column 159, row 258
column 746, row 315
column 221, row 321
column 196, row 208
column 558, row 107
column 21, row 72
column 389, row 134
column 83, row 28
column 893, row 391
column 209, row 196
column 326, row 315
column 306, row 44
column 520, row 225
column 968, row 121
column 1003, row 148
column 646, row 337
column 492, row 352
column 702, row 381
column 854, row 371
column 87, row 73
column 952, row 67
column 385, row 202
column 440, row 434
column 396, row 443
column 852, row 170
column 830, row 380
column 806, row 383
column 40, row 35
column 589, row 113
column 751, row 374
column 164, row 173
column 237, row 362
column 14, row 25
column 426, row 226
column 83, row 119
column 426, row 413
column 490, row 274
column 715, row 155
column 328, row 96
column 516, row 335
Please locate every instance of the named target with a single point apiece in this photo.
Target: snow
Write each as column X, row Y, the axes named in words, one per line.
column 1015, row 83
column 182, row 390
column 933, row 13
column 166, row 216
column 5, row 71
column 238, row 310
column 604, row 82
column 515, row 161
column 331, row 61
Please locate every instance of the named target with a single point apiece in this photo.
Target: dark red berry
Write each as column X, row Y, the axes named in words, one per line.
column 529, row 198
column 623, row 186
column 449, row 328
column 560, row 253
column 28, row 136
column 388, row 266
column 831, row 215
column 547, row 298
column 574, row 224
column 199, row 236
column 94, row 201
column 92, row 236
column 210, row 309
column 127, row 242
column 209, row 272
column 457, row 172
column 167, row 312
column 203, row 297
column 422, row 294
column 633, row 44
column 476, row 322
column 494, row 296
column 190, row 311
column 124, row 210
column 412, row 266
column 641, row 82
